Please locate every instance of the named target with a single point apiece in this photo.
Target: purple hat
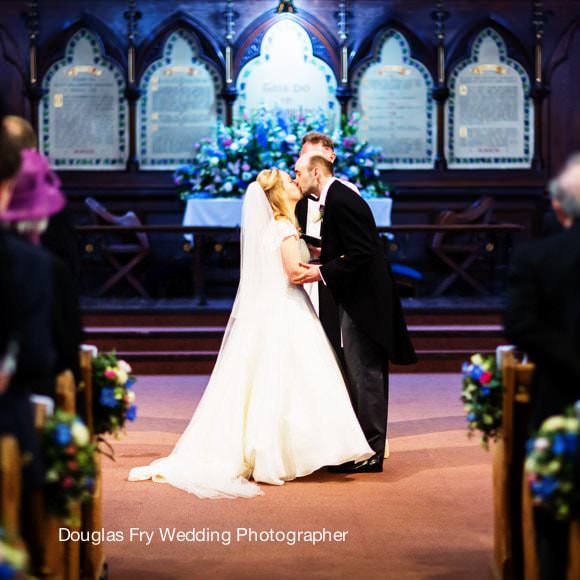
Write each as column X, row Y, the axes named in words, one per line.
column 37, row 193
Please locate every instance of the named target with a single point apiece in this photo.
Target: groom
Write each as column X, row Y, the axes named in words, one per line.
column 366, row 327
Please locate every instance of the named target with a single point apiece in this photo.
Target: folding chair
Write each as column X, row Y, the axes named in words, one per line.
column 445, row 245
column 137, row 250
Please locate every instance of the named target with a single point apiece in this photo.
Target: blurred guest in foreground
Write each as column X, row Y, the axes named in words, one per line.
column 26, row 345
column 36, row 203
column 542, row 317
column 58, row 236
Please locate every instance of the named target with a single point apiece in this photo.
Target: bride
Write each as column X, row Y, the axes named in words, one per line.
column 276, row 406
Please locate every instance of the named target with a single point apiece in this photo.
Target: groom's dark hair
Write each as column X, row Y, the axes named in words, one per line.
column 316, row 138
column 321, row 162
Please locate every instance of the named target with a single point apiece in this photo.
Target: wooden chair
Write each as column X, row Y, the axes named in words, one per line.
column 460, row 251
column 136, row 246
column 94, row 565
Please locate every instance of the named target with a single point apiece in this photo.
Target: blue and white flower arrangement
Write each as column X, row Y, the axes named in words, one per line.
column 68, row 454
column 13, row 558
column 113, row 394
column 482, row 397
column 226, row 166
column 553, row 464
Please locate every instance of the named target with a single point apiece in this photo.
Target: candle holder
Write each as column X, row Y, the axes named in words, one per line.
column 132, row 91
column 34, row 90
column 440, row 91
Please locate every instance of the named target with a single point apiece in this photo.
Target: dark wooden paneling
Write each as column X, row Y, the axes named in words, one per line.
column 418, row 194
column 564, row 117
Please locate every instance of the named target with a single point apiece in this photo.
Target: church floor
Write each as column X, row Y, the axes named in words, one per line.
column 428, row 515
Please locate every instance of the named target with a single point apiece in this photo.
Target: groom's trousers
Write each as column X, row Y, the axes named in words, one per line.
column 367, row 373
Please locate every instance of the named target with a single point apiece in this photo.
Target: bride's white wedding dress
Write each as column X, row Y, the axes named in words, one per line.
column 276, row 406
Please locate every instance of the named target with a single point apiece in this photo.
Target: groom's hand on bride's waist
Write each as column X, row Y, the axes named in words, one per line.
column 311, row 273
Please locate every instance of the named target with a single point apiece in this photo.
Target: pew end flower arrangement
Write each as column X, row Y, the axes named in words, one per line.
column 225, row 166
column 482, row 397
column 68, row 449
column 553, row 465
column 68, row 454
column 113, row 396
column 13, row 558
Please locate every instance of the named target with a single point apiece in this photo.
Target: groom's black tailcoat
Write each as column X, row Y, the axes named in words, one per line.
column 357, row 273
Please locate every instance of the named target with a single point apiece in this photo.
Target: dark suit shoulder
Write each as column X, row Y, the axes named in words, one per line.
column 26, row 255
column 342, row 191
column 537, row 251
column 340, row 194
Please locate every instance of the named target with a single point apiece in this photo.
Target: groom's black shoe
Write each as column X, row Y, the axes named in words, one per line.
column 372, row 465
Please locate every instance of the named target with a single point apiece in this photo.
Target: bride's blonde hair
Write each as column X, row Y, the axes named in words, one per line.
column 270, row 181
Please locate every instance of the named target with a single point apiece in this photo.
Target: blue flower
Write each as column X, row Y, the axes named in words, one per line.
column 465, row 368
column 476, row 372
column 471, row 417
column 571, row 443
column 107, row 398
column 545, row 487
column 262, row 136
column 7, row 571
column 558, row 445
column 130, row 382
column 62, row 434
column 132, row 413
column 282, row 123
column 484, row 391
column 530, row 445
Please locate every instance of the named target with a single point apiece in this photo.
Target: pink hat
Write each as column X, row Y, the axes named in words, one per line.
column 37, row 193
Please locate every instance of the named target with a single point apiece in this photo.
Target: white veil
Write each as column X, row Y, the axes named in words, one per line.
column 255, row 263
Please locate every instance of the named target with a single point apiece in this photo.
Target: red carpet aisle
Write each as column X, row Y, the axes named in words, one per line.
column 427, row 516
